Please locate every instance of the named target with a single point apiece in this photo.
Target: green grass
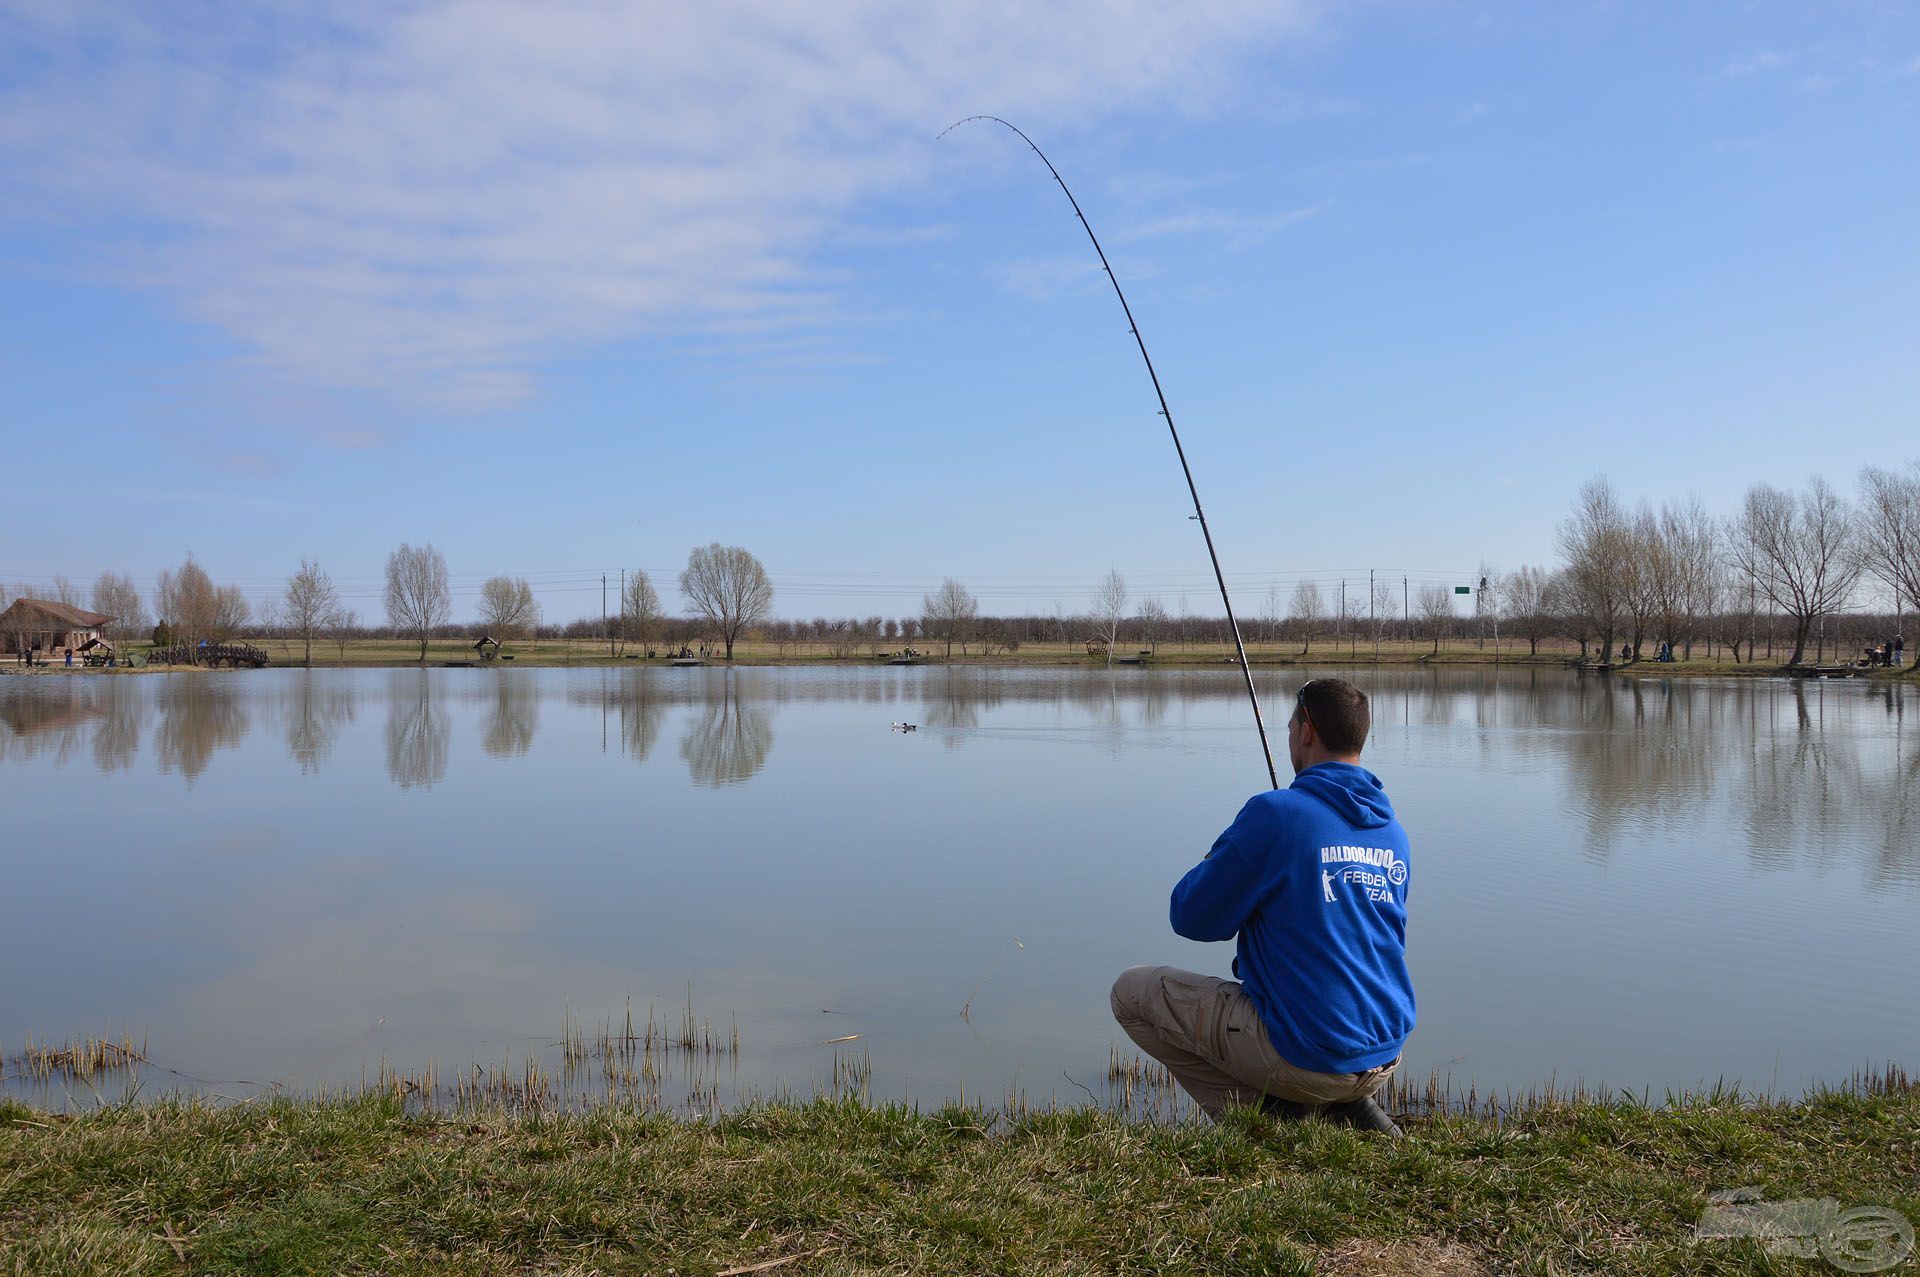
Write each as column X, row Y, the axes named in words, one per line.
column 362, row 1185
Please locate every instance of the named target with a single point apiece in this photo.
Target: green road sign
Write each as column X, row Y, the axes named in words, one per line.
column 1463, row 589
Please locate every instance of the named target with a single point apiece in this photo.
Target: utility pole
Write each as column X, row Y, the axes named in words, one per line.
column 1343, row 614
column 1406, row 601
column 623, row 607
column 604, row 632
column 1372, row 619
column 1494, row 612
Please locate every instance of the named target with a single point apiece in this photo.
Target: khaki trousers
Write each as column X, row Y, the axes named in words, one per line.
column 1207, row 1032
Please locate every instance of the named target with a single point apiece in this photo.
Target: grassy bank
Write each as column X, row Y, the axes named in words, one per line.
column 363, row 653
column 360, row 1186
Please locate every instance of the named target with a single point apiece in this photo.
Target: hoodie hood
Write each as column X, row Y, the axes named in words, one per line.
column 1354, row 793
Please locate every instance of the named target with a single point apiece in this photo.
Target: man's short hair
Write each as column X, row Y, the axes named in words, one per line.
column 1339, row 714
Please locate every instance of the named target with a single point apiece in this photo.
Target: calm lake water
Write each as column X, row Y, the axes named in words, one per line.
column 294, row 876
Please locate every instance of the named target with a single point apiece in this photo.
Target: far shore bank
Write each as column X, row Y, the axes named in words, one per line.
column 547, row 654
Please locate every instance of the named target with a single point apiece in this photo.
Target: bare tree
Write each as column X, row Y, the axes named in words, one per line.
column 1435, row 605
column 1657, row 598
column 948, row 613
column 65, row 591
column 308, row 607
column 1153, row 622
column 1382, row 609
column 507, row 608
column 1690, row 542
column 340, row 629
column 16, row 627
column 1308, row 613
column 116, row 596
column 1353, row 610
column 1889, row 534
column 727, row 586
column 1527, row 613
column 195, row 609
column 1271, row 614
column 1799, row 552
column 1598, row 544
column 640, row 611
column 1642, row 571
column 417, row 596
column 1109, row 609
column 1733, row 616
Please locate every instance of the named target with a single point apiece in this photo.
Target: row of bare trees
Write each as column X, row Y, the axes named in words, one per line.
column 1680, row 576
column 1673, row 575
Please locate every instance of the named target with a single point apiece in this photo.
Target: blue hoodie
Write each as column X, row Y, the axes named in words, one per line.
column 1313, row 879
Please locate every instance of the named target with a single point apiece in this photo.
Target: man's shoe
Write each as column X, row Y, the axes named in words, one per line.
column 1363, row 1115
column 1283, row 1110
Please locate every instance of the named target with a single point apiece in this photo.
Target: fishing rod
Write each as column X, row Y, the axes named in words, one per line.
column 1199, row 514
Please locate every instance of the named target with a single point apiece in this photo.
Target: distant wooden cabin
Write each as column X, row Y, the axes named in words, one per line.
column 48, row 629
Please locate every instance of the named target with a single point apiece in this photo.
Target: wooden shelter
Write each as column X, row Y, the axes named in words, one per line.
column 49, row 629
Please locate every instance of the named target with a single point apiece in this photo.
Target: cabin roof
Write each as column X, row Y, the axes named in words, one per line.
column 65, row 613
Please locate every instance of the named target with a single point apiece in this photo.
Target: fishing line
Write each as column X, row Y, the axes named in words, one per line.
column 1199, row 514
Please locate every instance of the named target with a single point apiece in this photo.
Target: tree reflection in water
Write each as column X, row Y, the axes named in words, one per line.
column 1800, row 765
column 729, row 735
column 417, row 730
column 116, row 739
column 199, row 713
column 514, row 710
column 61, row 715
column 316, row 707
column 634, row 699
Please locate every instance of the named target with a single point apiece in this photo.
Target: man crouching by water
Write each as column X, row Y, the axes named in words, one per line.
column 1313, row 881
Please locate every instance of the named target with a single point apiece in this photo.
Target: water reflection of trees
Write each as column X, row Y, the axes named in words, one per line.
column 514, row 710
column 199, row 713
column 1808, row 774
column 62, row 715
column 729, row 735
column 635, row 702
column 954, row 696
column 315, row 707
column 417, row 730
column 116, row 737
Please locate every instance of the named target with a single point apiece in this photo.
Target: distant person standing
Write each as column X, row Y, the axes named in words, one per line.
column 1899, row 651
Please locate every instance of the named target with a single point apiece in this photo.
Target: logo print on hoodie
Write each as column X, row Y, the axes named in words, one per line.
column 1360, row 865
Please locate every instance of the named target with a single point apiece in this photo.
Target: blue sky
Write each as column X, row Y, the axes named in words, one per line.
column 572, row 287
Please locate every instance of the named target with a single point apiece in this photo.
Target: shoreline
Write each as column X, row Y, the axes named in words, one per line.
column 361, row 1183
column 1058, row 661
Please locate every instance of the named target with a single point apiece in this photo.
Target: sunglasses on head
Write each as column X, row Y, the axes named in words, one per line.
column 1300, row 701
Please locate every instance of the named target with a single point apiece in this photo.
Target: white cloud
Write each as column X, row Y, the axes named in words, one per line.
column 1230, row 229
column 423, row 199
column 1751, row 64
